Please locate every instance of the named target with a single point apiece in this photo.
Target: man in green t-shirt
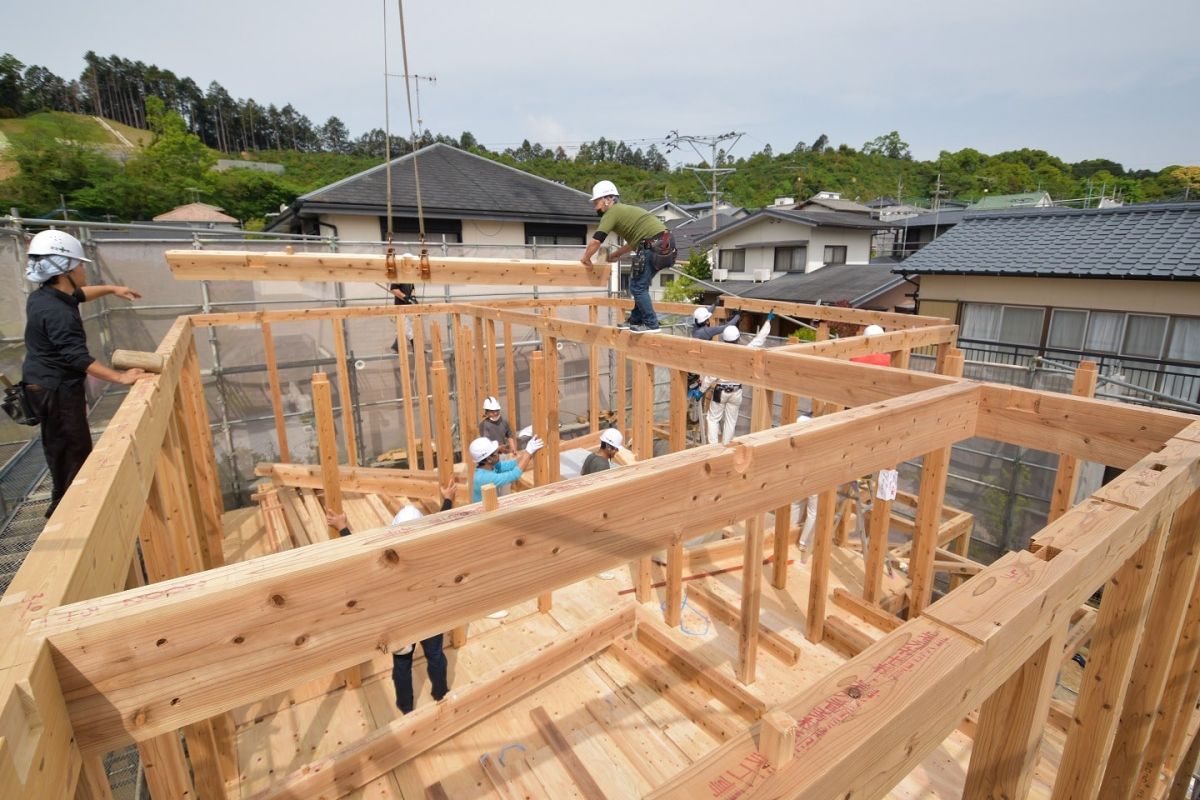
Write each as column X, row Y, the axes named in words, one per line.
column 640, row 230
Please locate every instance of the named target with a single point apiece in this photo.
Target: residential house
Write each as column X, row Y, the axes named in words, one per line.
column 666, row 211
column 466, row 199
column 1120, row 286
column 832, row 201
column 997, row 202
column 772, row 242
column 913, row 233
column 198, row 215
column 868, row 286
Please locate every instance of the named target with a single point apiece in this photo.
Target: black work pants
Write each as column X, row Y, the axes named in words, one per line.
column 66, row 437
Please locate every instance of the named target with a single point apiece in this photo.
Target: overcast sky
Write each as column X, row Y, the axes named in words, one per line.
column 1080, row 79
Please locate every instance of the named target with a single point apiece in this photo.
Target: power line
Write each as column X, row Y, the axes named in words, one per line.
column 716, row 173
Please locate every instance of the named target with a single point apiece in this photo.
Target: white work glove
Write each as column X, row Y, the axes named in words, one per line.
column 534, row 445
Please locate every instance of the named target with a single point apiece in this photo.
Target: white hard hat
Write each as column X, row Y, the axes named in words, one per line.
column 604, row 189
column 481, row 448
column 804, row 418
column 57, row 243
column 701, row 315
column 491, row 404
column 872, row 330
column 612, row 437
column 731, row 333
column 407, row 514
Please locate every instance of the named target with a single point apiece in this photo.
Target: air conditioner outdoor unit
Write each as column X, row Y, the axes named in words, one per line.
column 720, row 274
column 762, row 275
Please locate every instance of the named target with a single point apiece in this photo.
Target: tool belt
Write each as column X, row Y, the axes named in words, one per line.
column 661, row 251
column 16, row 405
column 725, row 388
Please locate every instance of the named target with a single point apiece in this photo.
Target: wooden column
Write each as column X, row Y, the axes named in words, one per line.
column 93, row 781
column 935, row 469
column 202, row 461
column 1011, row 722
column 510, row 378
column 1143, row 699
column 822, row 334
column 593, row 376
column 327, row 445
column 479, row 359
column 622, row 398
column 1180, row 696
column 783, row 514
column 643, row 449
column 493, row 361
column 406, row 389
column 878, row 525
column 422, row 399
column 464, row 382
column 166, row 769
column 349, row 434
column 818, row 566
column 678, row 442
column 445, row 439
column 553, row 467
column 752, row 558
column 1068, row 466
column 1115, row 641
column 777, row 738
column 541, row 464
column 491, row 501
column 276, row 393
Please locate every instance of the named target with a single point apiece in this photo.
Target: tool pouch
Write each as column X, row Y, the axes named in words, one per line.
column 663, row 252
column 16, row 406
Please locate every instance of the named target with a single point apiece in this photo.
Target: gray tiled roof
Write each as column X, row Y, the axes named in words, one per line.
column 454, row 183
column 944, row 218
column 832, row 219
column 687, row 232
column 856, row 283
column 1140, row 241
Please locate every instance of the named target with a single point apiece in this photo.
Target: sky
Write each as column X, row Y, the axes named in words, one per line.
column 1095, row 79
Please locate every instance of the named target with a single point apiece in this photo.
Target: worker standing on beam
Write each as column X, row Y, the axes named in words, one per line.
column 435, row 656
column 57, row 361
column 490, row 469
column 643, row 232
column 726, row 401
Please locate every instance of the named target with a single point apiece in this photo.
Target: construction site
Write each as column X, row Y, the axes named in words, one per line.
column 666, row 634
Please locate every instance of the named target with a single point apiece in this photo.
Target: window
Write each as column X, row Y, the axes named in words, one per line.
column 1007, row 324
column 1104, row 331
column 1185, row 340
column 790, row 259
column 732, row 260
column 408, row 229
column 1144, row 335
column 835, row 254
column 1067, row 328
column 549, row 233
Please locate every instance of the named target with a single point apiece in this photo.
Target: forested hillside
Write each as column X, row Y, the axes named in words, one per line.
column 51, row 157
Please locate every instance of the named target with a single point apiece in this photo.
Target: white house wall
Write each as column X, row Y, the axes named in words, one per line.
column 482, row 232
column 771, row 229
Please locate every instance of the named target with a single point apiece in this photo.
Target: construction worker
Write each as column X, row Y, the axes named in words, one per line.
column 722, row 417
column 57, row 361
column 496, row 427
column 435, row 656
column 403, row 294
column 706, row 332
column 804, row 512
column 490, row 469
column 879, row 359
column 643, row 232
column 611, row 441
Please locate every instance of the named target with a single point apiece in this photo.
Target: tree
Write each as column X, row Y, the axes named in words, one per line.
column 11, row 87
column 819, row 145
column 335, row 136
column 890, row 145
column 683, row 289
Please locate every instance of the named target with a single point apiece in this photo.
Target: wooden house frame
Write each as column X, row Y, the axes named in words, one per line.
column 94, row 661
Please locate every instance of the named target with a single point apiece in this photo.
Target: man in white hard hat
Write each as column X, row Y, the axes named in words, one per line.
column 496, row 427
column 435, row 656
column 643, row 232
column 611, row 442
column 57, row 361
column 490, row 469
column 722, row 417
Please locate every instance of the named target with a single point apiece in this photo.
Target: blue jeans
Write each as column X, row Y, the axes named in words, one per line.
column 435, row 665
column 639, row 288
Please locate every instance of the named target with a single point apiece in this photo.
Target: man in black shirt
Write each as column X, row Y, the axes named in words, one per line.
column 57, row 361
column 405, row 295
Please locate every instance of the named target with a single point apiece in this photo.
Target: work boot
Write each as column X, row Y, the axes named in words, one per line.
column 643, row 329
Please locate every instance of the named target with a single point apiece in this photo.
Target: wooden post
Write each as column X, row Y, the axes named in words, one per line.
column 752, row 557
column 493, row 362
column 593, row 376
column 202, row 460
column 777, row 738
column 622, row 398
column 783, row 514
column 510, row 378
column 1011, row 722
column 1115, row 641
column 552, row 410
column 327, row 445
column 643, row 448
column 935, row 469
column 675, row 549
column 423, row 404
column 464, row 375
column 878, row 525
column 165, row 767
column 349, row 434
column 445, row 439
column 1183, row 778
column 1068, row 466
column 541, row 471
column 818, row 566
column 1168, row 608
column 276, row 392
column 822, row 334
column 93, row 781
column 479, row 359
column 410, row 423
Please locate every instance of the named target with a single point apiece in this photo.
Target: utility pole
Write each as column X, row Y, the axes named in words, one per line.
column 715, row 173
column 416, row 79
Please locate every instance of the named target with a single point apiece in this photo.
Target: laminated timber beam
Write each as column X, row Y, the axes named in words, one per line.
column 124, row 658
column 898, row 700
column 234, row 265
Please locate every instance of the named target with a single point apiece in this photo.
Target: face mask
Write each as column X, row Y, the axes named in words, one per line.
column 599, row 212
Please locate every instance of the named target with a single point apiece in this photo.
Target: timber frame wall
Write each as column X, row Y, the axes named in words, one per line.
column 93, row 661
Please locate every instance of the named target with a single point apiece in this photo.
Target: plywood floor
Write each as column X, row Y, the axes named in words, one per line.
column 628, row 736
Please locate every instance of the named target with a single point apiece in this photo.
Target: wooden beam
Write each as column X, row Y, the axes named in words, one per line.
column 867, row 612
column 541, row 460
column 728, row 613
column 349, row 432
column 757, row 472
column 423, row 396
column 643, row 449
column 406, row 391
column 675, row 556
column 93, row 781
column 818, row 567
column 752, row 557
column 365, row 480
column 622, row 395
column 844, row 637
column 464, row 382
column 1067, row 476
column 233, row 265
column 566, row 755
column 445, row 440
column 883, row 343
column 777, row 738
column 1011, row 723
column 552, row 409
column 166, row 768
column 276, row 392
column 783, row 514
column 593, row 375
column 386, row 748
column 831, row 313
column 327, row 445
column 491, row 353
column 510, row 377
